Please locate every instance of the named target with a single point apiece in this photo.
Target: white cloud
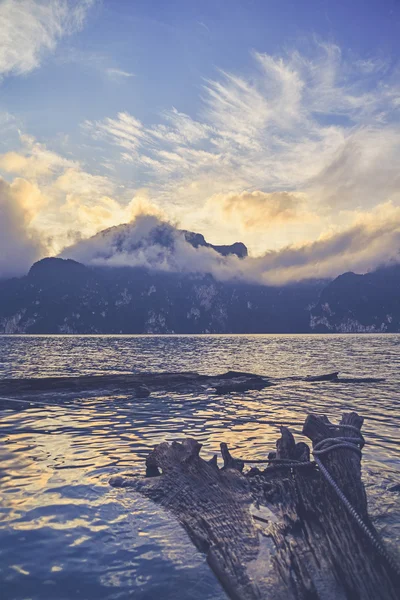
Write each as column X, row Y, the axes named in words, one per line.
column 100, row 62
column 363, row 172
column 371, row 240
column 297, row 149
column 314, row 124
column 30, row 28
column 34, row 160
column 124, row 131
column 117, row 73
column 78, row 203
column 20, row 245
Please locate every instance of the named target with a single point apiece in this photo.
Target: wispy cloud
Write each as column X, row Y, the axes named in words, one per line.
column 306, row 124
column 30, row 28
column 34, row 160
column 100, row 62
column 124, row 131
column 118, row 73
column 305, row 148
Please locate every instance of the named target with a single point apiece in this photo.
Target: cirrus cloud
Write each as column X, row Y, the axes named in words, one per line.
column 30, row 28
column 297, row 148
column 319, row 126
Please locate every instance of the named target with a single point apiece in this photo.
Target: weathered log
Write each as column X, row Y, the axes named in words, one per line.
column 56, row 390
column 281, row 533
column 138, row 385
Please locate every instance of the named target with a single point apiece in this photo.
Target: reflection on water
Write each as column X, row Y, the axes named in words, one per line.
column 65, row 534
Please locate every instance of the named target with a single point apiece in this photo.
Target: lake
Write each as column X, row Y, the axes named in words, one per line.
column 65, row 534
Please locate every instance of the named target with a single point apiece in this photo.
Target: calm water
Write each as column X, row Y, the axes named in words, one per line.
column 66, row 534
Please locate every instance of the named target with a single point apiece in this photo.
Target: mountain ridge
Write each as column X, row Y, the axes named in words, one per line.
column 63, row 295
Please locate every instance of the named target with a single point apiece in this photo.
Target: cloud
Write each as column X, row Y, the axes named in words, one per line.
column 370, row 241
column 124, row 131
column 296, row 148
column 318, row 125
column 259, row 210
column 20, row 202
column 78, row 203
column 135, row 243
column 87, row 216
column 34, row 160
column 363, row 172
column 76, row 181
column 118, row 73
column 100, row 62
column 30, row 28
column 89, row 203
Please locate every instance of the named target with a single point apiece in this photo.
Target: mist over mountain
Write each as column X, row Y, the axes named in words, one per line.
column 149, row 277
column 150, row 242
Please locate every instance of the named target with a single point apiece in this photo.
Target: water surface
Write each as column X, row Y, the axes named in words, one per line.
column 66, row 534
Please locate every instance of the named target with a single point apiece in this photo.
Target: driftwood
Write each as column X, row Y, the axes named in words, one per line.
column 281, row 533
column 139, row 385
column 15, row 393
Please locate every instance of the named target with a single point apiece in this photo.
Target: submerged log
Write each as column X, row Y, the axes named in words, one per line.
column 16, row 393
column 324, row 377
column 138, row 385
column 280, row 533
column 241, row 384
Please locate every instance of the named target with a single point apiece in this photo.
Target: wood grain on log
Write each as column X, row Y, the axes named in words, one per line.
column 280, row 533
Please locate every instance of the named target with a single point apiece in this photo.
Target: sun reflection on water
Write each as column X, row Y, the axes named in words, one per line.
column 66, row 534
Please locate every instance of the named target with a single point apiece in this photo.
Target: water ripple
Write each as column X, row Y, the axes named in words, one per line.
column 65, row 534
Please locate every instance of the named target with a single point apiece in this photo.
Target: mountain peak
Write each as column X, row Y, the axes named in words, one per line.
column 55, row 266
column 147, row 241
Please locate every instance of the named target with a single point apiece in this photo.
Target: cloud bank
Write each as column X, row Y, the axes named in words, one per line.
column 79, row 204
column 298, row 159
column 156, row 245
column 259, row 210
column 20, row 202
column 317, row 127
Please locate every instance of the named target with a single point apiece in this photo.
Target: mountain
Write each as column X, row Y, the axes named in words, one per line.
column 197, row 239
column 64, row 296
column 354, row 303
column 146, row 239
column 149, row 277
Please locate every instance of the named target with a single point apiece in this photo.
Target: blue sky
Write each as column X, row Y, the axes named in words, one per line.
column 273, row 122
column 170, row 47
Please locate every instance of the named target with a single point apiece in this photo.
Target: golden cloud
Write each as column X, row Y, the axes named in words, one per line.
column 20, row 246
column 259, row 210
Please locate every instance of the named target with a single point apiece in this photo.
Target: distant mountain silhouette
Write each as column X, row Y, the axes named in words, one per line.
column 197, row 239
column 65, row 296
column 360, row 303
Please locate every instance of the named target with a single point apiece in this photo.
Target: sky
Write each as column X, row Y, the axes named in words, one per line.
column 275, row 123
